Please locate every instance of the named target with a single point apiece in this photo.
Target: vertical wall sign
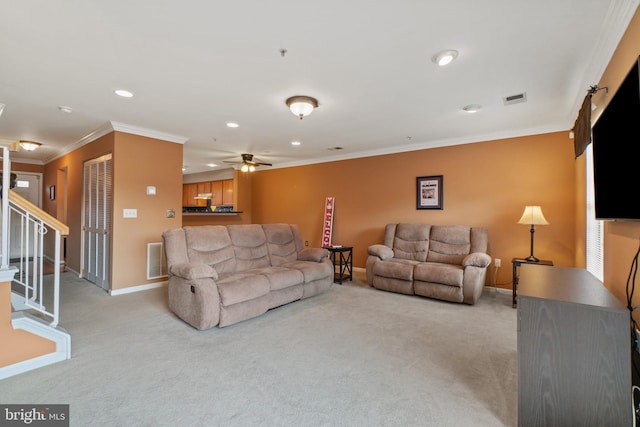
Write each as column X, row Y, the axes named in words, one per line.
column 328, row 221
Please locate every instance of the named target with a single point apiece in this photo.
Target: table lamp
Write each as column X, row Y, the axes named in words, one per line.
column 532, row 215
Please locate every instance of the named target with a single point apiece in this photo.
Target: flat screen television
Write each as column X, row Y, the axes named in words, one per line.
column 616, row 153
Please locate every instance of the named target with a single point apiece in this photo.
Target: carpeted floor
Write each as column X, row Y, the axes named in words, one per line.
column 353, row 356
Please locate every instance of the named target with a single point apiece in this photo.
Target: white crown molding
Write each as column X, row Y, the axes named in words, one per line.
column 613, row 28
column 111, row 126
column 426, row 145
column 135, row 130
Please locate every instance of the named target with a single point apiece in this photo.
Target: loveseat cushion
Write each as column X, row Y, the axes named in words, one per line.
column 444, row 274
column 411, row 241
column 381, row 251
column 395, row 268
column 449, row 244
column 240, row 287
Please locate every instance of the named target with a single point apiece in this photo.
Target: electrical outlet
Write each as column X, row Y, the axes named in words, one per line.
column 497, row 262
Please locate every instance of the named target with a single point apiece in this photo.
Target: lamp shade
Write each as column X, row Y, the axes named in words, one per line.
column 532, row 215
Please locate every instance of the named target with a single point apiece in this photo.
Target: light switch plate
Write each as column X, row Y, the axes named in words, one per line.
column 130, row 213
column 151, row 190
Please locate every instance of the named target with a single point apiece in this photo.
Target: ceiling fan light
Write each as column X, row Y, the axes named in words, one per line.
column 302, row 106
column 29, row 145
column 252, row 168
column 245, row 167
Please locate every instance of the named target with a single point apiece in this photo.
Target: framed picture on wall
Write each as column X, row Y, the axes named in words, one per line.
column 429, row 192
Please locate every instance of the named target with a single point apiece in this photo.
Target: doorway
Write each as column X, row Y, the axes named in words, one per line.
column 29, row 186
column 96, row 221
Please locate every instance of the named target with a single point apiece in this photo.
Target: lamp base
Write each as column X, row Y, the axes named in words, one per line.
column 532, row 259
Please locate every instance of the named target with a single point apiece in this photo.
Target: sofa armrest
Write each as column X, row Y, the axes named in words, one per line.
column 313, row 254
column 477, row 259
column 381, row 251
column 193, row 270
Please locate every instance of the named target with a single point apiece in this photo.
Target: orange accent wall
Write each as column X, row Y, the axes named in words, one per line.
column 485, row 184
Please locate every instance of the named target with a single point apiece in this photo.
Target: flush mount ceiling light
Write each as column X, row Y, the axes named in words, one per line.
column 65, row 109
column 29, row 145
column 123, row 93
column 444, row 57
column 302, row 106
column 472, row 108
column 232, row 125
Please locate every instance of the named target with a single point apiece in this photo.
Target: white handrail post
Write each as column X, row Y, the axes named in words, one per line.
column 6, row 180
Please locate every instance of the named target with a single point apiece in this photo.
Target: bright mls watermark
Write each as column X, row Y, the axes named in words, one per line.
column 34, row 415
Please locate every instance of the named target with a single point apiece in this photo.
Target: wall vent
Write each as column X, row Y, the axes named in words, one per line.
column 156, row 264
column 515, row 99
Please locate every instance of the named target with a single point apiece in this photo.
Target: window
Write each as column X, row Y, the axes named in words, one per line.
column 595, row 229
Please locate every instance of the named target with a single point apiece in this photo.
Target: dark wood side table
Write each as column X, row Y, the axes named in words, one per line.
column 342, row 259
column 517, row 262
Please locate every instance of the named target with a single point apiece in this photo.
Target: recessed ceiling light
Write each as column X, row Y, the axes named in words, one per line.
column 232, row 125
column 444, row 57
column 211, row 165
column 123, row 93
column 295, row 142
column 472, row 108
column 64, row 109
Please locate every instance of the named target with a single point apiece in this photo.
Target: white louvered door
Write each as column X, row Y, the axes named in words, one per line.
column 96, row 220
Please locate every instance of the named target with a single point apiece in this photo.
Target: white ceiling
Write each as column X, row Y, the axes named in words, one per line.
column 195, row 65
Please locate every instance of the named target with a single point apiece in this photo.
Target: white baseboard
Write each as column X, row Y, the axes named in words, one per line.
column 138, row 288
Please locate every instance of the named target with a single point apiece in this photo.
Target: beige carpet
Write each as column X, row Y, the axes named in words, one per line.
column 353, row 356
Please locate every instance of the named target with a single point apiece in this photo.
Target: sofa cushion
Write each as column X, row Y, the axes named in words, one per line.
column 449, row 244
column 445, row 274
column 243, row 286
column 193, row 270
column 280, row 243
column 250, row 246
column 311, row 270
column 313, row 254
column 280, row 277
column 395, row 268
column 211, row 245
column 411, row 241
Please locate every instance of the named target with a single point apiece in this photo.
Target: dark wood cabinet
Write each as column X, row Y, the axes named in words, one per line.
column 574, row 350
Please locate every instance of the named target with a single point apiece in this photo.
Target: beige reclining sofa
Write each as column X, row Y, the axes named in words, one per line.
column 436, row 261
column 221, row 275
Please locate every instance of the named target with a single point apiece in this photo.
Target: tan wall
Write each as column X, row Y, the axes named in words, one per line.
column 140, row 162
column 73, row 164
column 137, row 163
column 485, row 184
column 621, row 238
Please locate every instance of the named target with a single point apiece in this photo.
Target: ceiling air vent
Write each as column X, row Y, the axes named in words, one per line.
column 515, row 99
column 336, row 148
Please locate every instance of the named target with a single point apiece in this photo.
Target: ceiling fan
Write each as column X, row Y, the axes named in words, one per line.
column 248, row 164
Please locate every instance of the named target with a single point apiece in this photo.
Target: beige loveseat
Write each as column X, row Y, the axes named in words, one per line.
column 437, row 261
column 221, row 275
